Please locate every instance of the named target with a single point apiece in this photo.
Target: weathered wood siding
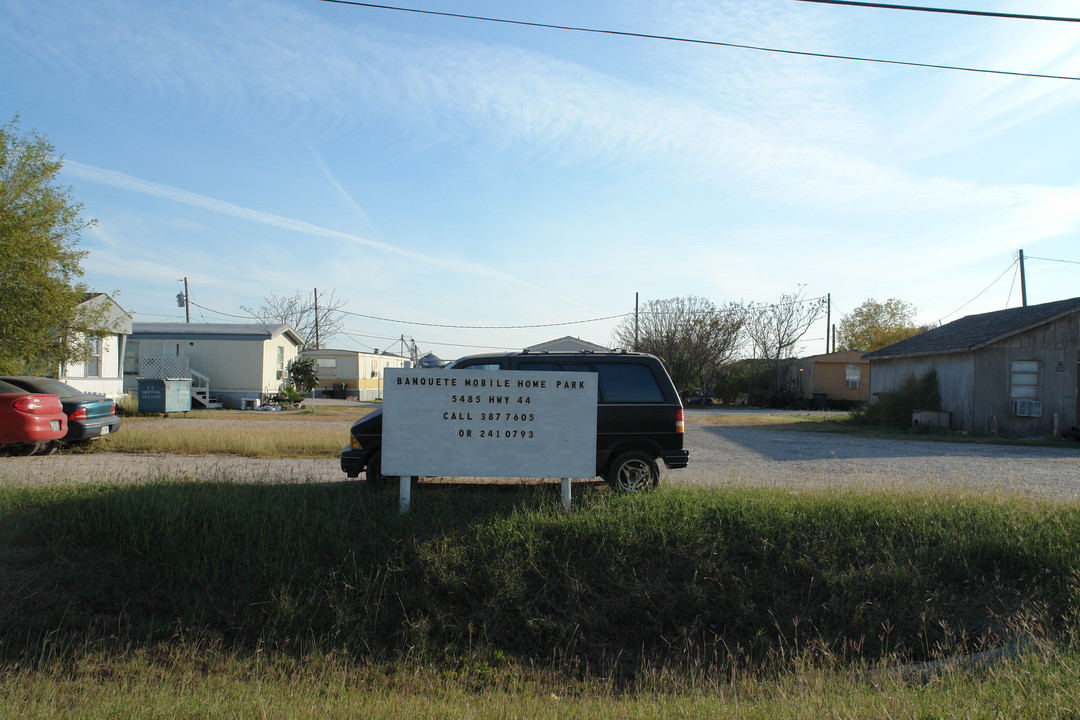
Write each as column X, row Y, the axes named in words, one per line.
column 976, row 386
column 1056, row 347
column 954, row 373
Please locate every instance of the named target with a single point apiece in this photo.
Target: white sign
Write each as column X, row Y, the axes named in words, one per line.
column 485, row 423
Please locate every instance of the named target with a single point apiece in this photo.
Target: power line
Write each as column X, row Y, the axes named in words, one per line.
column 1070, row 262
column 715, row 43
column 994, row 282
column 950, row 11
column 485, row 327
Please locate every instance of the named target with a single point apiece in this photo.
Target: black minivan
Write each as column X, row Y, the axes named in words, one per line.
column 639, row 418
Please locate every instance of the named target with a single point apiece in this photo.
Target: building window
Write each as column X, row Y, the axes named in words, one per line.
column 326, row 367
column 1024, row 388
column 852, row 376
column 131, row 357
column 93, row 361
column 280, row 363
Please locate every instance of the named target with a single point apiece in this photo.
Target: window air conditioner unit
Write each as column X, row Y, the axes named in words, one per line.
column 1027, row 408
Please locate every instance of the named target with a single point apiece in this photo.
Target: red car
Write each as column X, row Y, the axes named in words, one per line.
column 29, row 422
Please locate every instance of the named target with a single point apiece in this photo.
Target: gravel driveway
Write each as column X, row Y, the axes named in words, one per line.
column 719, row 456
column 779, row 458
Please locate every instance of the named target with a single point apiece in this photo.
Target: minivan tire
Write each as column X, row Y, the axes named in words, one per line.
column 633, row 471
column 373, row 472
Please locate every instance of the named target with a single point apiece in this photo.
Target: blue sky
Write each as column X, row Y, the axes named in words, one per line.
column 438, row 171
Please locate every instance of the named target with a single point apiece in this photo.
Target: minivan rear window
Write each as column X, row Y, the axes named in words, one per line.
column 628, row 383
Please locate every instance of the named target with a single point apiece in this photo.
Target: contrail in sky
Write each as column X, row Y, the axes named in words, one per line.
column 120, row 180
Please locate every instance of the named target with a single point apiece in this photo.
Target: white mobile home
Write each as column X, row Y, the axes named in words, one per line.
column 101, row 371
column 229, row 362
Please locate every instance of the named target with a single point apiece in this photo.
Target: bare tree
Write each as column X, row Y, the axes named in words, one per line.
column 774, row 330
column 692, row 336
column 314, row 317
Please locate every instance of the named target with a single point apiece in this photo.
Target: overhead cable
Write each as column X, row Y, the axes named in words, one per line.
column 1070, row 262
column 994, row 282
column 716, row 43
column 949, row 11
column 485, row 327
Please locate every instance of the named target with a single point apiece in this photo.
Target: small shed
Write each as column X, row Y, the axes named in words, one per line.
column 352, row 373
column 1014, row 372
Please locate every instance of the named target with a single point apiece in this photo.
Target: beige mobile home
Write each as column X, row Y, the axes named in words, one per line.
column 351, row 373
column 230, row 363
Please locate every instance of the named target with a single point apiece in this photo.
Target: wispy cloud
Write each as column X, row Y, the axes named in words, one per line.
column 122, row 181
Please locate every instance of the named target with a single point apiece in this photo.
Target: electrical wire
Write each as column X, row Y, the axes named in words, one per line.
column 484, row 327
column 994, row 282
column 695, row 41
column 1070, row 262
column 949, row 11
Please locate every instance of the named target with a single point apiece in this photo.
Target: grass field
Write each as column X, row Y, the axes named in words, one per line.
column 219, row 600
column 322, row 433
column 284, row 434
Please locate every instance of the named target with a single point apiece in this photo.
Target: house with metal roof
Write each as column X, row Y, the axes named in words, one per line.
column 229, row 364
column 1013, row 372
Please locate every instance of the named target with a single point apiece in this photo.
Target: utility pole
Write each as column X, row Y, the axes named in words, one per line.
column 1023, row 280
column 635, row 322
column 317, row 345
column 828, row 319
column 184, row 300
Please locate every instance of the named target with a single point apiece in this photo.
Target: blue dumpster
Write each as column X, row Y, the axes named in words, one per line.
column 164, row 396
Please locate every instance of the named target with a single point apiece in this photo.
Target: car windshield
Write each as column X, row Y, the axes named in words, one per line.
column 49, row 387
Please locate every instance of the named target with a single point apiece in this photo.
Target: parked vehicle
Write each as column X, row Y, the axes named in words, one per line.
column 29, row 422
column 88, row 416
column 639, row 417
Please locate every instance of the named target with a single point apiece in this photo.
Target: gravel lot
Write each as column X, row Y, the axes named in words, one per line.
column 719, row 456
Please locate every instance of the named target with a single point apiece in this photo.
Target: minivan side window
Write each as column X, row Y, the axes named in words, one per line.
column 539, row 366
column 481, row 366
column 628, row 383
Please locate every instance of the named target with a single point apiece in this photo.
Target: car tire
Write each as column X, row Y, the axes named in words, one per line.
column 633, row 471
column 48, row 448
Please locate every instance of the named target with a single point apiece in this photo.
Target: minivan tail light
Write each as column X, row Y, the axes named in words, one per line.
column 680, row 421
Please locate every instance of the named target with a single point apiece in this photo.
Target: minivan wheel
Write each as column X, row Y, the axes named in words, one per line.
column 375, row 479
column 633, row 471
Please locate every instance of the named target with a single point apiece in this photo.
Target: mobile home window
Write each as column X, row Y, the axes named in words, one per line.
column 93, row 362
column 852, row 375
column 327, row 367
column 280, row 362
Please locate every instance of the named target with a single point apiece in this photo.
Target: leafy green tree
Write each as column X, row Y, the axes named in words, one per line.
column 874, row 325
column 303, row 375
column 41, row 325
